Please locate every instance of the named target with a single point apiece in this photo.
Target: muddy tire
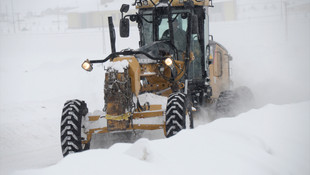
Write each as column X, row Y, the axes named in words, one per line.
column 178, row 115
column 71, row 127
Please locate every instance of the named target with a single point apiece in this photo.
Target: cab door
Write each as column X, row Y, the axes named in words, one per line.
column 219, row 69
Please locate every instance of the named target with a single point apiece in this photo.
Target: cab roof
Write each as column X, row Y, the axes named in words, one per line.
column 149, row 4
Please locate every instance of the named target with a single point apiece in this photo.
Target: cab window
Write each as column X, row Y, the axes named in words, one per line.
column 218, row 69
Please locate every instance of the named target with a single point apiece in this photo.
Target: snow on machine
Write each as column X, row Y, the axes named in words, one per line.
column 177, row 69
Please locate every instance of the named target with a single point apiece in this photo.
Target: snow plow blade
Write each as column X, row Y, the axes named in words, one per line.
column 126, row 122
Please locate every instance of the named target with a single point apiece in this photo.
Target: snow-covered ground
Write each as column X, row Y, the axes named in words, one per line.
column 39, row 72
column 271, row 140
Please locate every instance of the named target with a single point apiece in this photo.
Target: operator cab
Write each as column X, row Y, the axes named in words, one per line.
column 155, row 28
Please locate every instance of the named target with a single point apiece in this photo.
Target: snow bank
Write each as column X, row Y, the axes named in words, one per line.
column 271, row 140
column 29, row 131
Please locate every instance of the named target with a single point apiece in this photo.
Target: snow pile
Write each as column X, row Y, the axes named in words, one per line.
column 119, row 66
column 29, row 132
column 270, row 140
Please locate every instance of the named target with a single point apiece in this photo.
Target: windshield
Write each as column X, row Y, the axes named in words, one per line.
column 150, row 33
column 161, row 33
column 147, row 30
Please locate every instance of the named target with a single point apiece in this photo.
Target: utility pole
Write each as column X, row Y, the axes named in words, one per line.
column 18, row 21
column 285, row 20
column 58, row 19
column 284, row 17
column 281, row 9
column 7, row 16
column 235, row 10
column 13, row 16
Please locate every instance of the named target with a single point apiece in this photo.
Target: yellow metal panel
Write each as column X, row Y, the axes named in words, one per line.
column 147, row 114
column 152, row 108
column 148, row 127
column 136, row 126
column 93, row 118
column 148, row 68
column 118, row 125
column 180, row 69
column 155, row 87
column 167, row 93
column 219, row 83
column 155, row 107
column 115, row 108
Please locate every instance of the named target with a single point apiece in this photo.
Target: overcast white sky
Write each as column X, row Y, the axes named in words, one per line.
column 39, row 5
column 23, row 6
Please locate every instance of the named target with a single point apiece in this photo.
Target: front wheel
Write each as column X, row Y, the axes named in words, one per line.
column 71, row 127
column 178, row 114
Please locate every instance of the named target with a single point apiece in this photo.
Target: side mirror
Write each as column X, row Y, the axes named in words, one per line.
column 195, row 25
column 124, row 23
column 124, row 8
column 209, row 58
column 124, row 27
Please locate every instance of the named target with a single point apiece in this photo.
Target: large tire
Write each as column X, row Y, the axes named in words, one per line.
column 225, row 103
column 71, row 127
column 178, row 114
column 232, row 103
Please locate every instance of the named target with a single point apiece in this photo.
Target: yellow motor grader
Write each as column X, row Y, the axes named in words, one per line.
column 176, row 69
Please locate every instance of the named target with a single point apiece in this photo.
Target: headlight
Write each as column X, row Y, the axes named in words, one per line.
column 87, row 66
column 168, row 62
